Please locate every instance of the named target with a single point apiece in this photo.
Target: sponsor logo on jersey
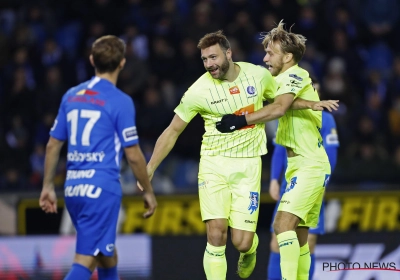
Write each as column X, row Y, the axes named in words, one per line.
column 219, row 101
column 90, row 191
column 254, row 201
column 130, row 133
column 251, row 91
column 86, row 99
column 234, row 90
column 89, row 157
column 294, row 76
column 87, row 92
column 292, row 184
column 80, row 174
column 110, row 247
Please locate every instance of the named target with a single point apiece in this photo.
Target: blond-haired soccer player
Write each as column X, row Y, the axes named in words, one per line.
column 229, row 176
column 308, row 168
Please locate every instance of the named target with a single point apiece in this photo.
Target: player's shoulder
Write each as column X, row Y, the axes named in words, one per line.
column 201, row 86
column 296, row 74
column 253, row 69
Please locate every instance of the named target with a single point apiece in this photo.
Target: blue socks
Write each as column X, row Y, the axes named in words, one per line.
column 274, row 267
column 78, row 271
column 108, row 273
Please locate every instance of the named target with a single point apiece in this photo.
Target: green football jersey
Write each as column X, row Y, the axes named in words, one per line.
column 300, row 129
column 213, row 98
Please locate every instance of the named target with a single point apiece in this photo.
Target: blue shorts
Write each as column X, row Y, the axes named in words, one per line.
column 319, row 229
column 95, row 219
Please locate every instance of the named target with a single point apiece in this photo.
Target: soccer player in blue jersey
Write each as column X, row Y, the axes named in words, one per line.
column 278, row 168
column 98, row 121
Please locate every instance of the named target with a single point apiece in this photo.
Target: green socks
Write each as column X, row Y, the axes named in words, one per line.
column 289, row 249
column 214, row 262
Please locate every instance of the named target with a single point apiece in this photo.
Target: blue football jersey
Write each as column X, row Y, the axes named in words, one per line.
column 328, row 130
column 98, row 120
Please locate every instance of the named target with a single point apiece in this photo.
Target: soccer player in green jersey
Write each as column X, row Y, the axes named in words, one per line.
column 308, row 167
column 229, row 176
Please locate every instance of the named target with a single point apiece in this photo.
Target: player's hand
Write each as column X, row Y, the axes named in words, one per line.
column 150, row 203
column 48, row 200
column 230, row 123
column 330, row 105
column 274, row 189
column 150, row 173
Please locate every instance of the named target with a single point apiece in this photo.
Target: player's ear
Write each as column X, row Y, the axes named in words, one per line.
column 91, row 60
column 287, row 57
column 228, row 54
column 122, row 63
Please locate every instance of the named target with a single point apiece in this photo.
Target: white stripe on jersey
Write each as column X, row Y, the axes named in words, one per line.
column 93, row 82
column 117, row 147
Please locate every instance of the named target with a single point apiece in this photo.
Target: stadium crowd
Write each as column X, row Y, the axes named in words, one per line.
column 44, row 49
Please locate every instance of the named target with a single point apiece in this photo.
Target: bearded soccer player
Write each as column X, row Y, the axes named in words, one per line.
column 308, row 169
column 229, row 176
column 98, row 121
column 276, row 190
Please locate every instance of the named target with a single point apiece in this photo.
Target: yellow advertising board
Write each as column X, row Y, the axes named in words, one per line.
column 180, row 214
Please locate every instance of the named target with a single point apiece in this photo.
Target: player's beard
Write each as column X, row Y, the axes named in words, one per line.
column 222, row 70
column 276, row 68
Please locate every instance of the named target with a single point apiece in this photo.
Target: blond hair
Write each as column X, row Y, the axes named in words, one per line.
column 290, row 42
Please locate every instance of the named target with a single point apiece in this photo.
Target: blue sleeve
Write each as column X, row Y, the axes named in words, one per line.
column 60, row 129
column 328, row 131
column 125, row 122
column 278, row 162
column 332, row 155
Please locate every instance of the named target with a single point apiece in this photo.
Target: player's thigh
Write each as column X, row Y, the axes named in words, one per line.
column 245, row 184
column 305, row 189
column 320, row 228
column 107, row 262
column 214, row 193
column 87, row 261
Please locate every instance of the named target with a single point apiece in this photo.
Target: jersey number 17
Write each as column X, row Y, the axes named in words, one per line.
column 73, row 117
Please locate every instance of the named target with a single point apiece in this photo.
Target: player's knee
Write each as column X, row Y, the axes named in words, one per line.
column 217, row 237
column 243, row 247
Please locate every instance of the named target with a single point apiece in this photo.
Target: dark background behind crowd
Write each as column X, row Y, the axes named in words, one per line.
column 352, row 49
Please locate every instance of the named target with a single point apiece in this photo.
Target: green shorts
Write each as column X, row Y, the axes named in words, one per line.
column 306, row 181
column 229, row 188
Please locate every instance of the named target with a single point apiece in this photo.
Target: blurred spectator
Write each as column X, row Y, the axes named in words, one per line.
column 153, row 115
column 138, row 42
column 37, row 166
column 242, row 29
column 394, row 82
column 133, row 77
column 49, row 97
column 13, row 181
column 351, row 48
column 380, row 16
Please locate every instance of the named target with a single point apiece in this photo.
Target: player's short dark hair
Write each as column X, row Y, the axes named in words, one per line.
column 290, row 42
column 107, row 52
column 211, row 39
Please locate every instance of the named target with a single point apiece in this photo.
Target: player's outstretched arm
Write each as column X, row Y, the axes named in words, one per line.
column 165, row 143
column 277, row 109
column 48, row 198
column 330, row 105
column 137, row 163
